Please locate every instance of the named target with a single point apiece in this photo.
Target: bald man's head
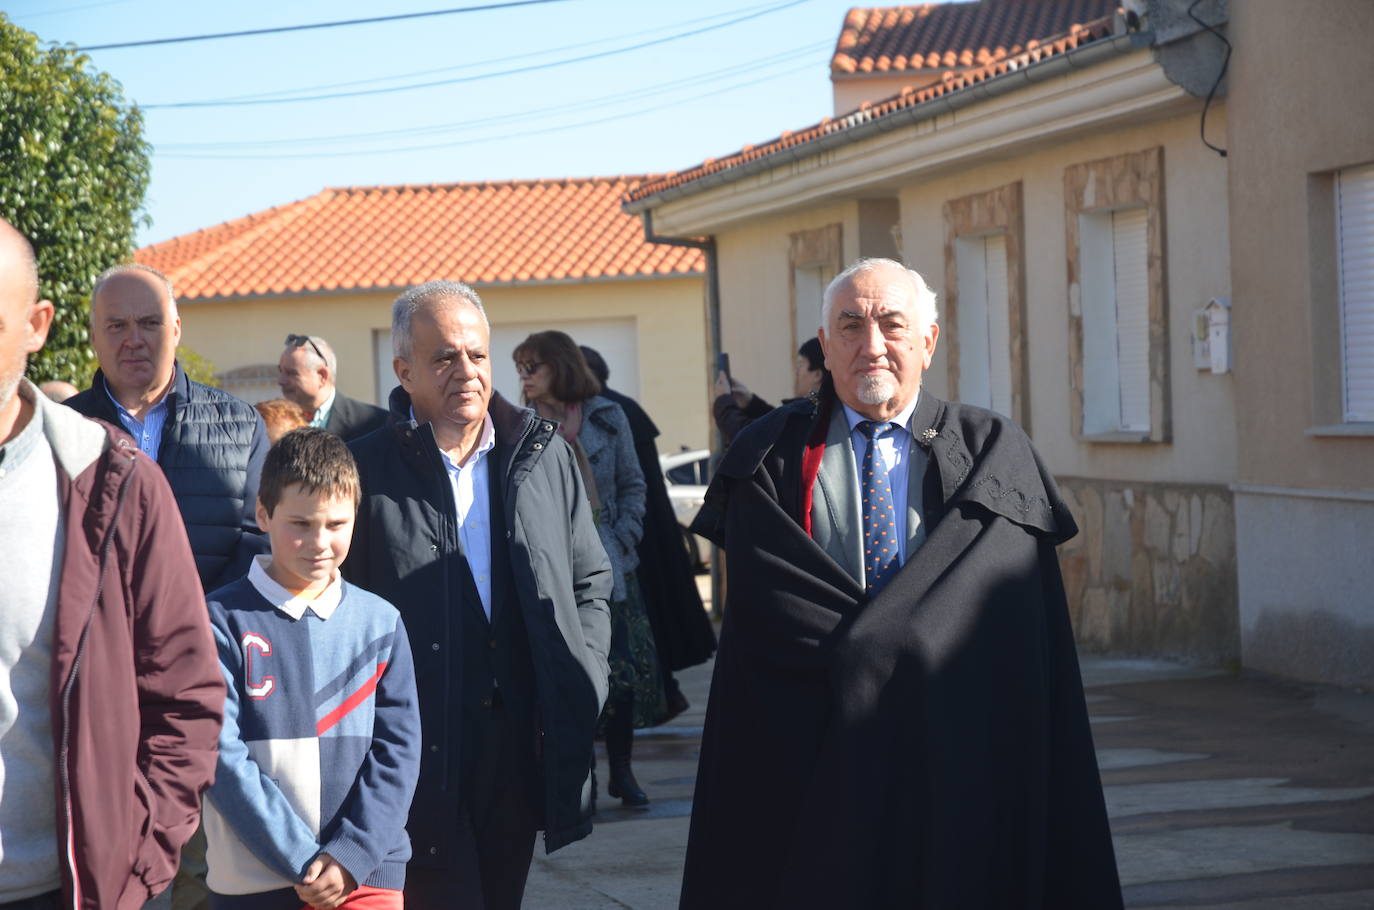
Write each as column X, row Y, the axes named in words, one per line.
column 135, row 331
column 21, row 266
column 24, row 321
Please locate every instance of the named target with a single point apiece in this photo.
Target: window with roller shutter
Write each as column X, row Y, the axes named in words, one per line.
column 1355, row 250
column 1116, row 325
column 985, row 371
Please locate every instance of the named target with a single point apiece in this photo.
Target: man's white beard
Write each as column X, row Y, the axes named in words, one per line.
column 876, row 389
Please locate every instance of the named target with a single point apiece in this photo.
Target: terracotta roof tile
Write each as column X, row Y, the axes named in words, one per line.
column 391, row 237
column 870, row 111
column 893, row 39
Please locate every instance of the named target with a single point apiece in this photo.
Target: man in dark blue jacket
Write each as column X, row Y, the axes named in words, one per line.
column 209, row 444
column 475, row 524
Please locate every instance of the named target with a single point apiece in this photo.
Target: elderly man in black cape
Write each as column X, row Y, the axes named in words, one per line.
column 896, row 717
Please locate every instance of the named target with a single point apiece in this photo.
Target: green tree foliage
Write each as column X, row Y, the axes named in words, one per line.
column 73, row 171
column 198, row 368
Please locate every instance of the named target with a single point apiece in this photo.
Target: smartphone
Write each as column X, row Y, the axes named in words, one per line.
column 723, row 364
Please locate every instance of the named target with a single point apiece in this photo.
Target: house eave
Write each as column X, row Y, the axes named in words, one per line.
column 1089, row 87
column 397, row 289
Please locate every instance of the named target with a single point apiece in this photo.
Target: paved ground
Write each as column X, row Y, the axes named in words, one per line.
column 1224, row 792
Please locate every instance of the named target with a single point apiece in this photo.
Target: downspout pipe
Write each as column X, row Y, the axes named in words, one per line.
column 708, row 247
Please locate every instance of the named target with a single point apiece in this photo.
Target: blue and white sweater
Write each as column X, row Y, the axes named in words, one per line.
column 320, row 750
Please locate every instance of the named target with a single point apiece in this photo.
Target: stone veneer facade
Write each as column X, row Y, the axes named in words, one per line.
column 1153, row 569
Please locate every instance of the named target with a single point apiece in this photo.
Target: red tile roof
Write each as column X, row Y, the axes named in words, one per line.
column 868, row 112
column 927, row 36
column 391, row 237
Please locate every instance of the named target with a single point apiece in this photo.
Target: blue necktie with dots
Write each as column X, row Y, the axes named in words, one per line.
column 882, row 555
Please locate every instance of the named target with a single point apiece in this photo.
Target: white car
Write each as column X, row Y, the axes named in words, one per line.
column 687, row 474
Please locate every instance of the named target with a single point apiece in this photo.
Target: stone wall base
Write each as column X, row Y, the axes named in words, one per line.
column 1153, row 569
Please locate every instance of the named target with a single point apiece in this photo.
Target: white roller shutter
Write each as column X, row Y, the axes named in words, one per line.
column 1132, row 285
column 1355, row 220
column 999, row 322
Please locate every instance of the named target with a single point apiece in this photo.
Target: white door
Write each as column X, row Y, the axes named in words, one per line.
column 615, row 339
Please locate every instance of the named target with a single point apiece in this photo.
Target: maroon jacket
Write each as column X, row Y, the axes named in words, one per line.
column 137, row 694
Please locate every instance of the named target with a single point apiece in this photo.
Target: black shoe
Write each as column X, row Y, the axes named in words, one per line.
column 621, row 783
column 677, row 703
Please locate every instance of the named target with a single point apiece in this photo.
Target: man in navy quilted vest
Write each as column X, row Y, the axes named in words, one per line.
column 209, row 444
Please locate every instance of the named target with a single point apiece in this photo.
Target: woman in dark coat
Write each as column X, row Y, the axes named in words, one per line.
column 682, row 628
column 558, row 384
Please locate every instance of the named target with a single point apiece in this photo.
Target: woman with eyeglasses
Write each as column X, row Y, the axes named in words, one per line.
column 558, row 384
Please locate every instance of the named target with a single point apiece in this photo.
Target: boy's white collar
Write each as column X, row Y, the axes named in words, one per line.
column 323, row 606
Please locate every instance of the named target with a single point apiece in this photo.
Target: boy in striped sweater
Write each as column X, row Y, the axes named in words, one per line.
column 320, row 750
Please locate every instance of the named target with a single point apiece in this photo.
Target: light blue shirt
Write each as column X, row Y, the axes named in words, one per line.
column 472, row 505
column 322, row 414
column 895, row 451
column 148, row 432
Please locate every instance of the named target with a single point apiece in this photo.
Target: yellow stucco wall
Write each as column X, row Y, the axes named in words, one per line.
column 755, row 302
column 1196, row 268
column 668, row 315
column 1287, row 319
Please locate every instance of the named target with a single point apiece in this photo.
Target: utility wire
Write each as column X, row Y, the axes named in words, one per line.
column 480, row 76
column 1221, row 74
column 567, row 108
column 70, row 9
column 373, row 80
column 519, row 135
column 315, row 25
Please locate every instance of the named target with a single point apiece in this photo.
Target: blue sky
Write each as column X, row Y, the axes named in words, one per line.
column 657, row 108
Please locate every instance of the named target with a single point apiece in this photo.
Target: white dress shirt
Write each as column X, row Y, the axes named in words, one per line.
column 290, row 603
column 895, row 451
column 472, row 504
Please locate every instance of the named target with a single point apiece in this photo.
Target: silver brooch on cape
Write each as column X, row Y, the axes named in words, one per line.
column 928, row 435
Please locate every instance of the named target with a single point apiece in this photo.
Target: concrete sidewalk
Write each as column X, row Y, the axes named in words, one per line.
column 1224, row 792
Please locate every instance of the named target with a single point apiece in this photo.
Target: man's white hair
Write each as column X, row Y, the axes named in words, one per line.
column 133, row 267
column 427, row 295
column 324, row 354
column 924, row 297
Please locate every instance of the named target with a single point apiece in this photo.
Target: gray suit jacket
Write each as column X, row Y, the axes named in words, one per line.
column 836, row 508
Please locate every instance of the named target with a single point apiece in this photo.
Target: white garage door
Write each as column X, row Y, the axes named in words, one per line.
column 614, row 338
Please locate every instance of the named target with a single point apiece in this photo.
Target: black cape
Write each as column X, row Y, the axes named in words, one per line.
column 929, row 748
column 683, row 635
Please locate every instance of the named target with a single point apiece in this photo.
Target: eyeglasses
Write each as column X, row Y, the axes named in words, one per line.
column 527, row 367
column 298, row 341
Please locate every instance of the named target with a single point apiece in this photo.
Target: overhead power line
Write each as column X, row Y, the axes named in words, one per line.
column 472, row 64
column 315, row 25
column 438, row 129
column 518, row 135
column 480, row 76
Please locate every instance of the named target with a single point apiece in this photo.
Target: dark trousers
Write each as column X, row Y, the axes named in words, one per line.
column 495, row 832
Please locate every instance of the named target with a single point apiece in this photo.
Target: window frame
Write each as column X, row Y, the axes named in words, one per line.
column 820, row 248
column 998, row 210
column 1132, row 180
